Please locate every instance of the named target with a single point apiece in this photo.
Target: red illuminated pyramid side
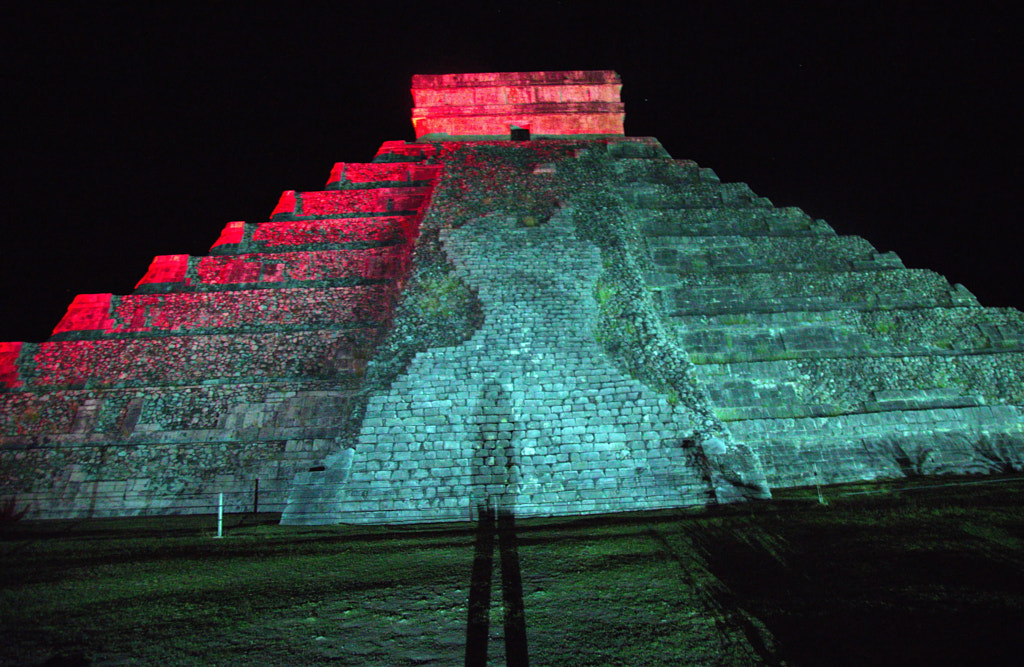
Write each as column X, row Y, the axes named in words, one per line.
column 221, row 371
column 327, row 260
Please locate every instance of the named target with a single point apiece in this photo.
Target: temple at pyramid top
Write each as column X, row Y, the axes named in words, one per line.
column 517, row 104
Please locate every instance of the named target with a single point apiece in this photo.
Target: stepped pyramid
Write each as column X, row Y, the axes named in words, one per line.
column 219, row 370
column 522, row 309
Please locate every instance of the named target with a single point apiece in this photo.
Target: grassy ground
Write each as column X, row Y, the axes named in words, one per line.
column 910, row 573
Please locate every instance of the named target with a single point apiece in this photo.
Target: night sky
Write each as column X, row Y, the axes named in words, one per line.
column 130, row 132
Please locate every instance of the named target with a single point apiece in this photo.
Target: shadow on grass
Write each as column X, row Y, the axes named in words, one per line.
column 27, row 549
column 724, row 604
column 502, row 524
column 914, row 575
column 901, row 579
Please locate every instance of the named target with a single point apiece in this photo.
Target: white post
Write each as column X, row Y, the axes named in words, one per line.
column 817, row 482
column 220, row 515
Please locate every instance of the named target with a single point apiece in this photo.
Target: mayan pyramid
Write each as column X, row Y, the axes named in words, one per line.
column 522, row 309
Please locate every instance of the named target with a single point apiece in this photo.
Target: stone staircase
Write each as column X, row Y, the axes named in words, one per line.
column 568, row 322
column 528, row 415
column 695, row 344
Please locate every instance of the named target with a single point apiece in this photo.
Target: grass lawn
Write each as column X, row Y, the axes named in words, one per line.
column 926, row 571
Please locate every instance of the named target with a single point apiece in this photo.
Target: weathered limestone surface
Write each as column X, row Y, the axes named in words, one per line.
column 703, row 346
column 490, row 104
column 831, row 360
column 528, row 415
column 220, row 372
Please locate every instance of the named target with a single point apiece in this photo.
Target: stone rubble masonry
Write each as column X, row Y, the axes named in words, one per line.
column 220, row 370
column 355, row 174
column 528, row 414
column 305, row 205
column 9, row 353
column 225, row 310
column 241, row 237
column 827, row 359
column 831, row 360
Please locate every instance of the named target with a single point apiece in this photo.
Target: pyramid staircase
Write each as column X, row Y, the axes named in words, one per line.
column 649, row 337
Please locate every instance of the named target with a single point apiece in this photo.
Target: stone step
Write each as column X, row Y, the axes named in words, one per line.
column 248, row 310
column 659, row 171
column 163, row 414
column 349, row 175
column 183, row 273
column 849, row 384
column 322, row 234
column 295, row 267
column 727, row 344
column 702, row 194
column 716, row 294
column 350, row 203
column 730, row 254
column 730, row 221
column 846, row 285
column 176, row 359
column 741, row 400
column 913, row 331
column 623, row 147
column 404, row 151
column 896, row 443
column 920, row 399
column 9, row 374
column 161, row 479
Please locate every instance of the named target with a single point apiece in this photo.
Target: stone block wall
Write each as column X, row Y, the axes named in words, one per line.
column 358, row 174
column 318, row 233
column 564, row 327
column 545, row 103
column 527, row 415
column 329, row 203
column 220, row 370
column 830, row 359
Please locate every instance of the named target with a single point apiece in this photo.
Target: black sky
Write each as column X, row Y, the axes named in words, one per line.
column 132, row 131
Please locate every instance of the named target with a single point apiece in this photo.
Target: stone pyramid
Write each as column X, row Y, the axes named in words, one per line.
column 227, row 373
column 522, row 309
